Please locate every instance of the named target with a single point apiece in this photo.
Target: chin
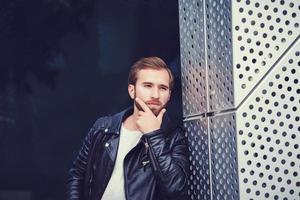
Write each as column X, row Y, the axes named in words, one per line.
column 156, row 111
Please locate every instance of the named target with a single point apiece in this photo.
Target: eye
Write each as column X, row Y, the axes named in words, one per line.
column 164, row 88
column 147, row 85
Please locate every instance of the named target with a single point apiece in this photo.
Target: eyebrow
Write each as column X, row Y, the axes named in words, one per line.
column 161, row 85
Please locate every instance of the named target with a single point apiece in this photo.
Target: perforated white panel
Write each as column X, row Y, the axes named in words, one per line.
column 262, row 31
column 269, row 134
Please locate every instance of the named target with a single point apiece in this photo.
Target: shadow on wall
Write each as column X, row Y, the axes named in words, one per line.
column 30, row 38
column 32, row 58
column 64, row 63
column 31, row 34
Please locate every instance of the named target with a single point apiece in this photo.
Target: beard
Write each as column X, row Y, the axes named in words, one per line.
column 155, row 111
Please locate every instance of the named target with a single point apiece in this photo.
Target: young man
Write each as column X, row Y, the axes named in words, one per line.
column 136, row 154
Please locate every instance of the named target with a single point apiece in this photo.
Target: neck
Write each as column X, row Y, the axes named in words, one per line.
column 130, row 122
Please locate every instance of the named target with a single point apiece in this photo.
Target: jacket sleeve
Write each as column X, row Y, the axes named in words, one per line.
column 169, row 160
column 78, row 170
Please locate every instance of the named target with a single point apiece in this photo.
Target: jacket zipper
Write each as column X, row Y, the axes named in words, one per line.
column 151, row 154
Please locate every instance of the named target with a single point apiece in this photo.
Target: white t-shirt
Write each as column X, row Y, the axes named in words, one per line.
column 115, row 188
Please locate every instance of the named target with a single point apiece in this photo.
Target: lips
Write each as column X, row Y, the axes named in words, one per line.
column 157, row 103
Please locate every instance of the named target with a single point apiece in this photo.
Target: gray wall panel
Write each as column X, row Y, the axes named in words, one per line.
column 199, row 181
column 219, row 55
column 224, row 164
column 192, row 40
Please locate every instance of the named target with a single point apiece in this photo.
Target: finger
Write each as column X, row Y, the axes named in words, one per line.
column 140, row 113
column 138, row 106
column 142, row 104
column 161, row 114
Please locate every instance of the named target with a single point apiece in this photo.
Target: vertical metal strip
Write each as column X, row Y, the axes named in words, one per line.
column 207, row 99
column 234, row 101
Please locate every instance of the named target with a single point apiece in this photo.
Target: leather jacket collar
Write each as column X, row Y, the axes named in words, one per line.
column 117, row 119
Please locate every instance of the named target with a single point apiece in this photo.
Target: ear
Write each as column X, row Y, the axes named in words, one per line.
column 131, row 91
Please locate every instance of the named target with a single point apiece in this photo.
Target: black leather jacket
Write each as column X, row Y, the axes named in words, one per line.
column 155, row 169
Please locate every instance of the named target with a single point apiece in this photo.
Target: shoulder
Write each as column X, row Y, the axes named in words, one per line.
column 101, row 123
column 99, row 126
column 177, row 133
column 173, row 132
column 175, row 128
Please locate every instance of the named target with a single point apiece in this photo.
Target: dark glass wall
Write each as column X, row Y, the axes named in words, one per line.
column 62, row 65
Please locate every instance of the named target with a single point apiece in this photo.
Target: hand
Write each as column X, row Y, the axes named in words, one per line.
column 146, row 121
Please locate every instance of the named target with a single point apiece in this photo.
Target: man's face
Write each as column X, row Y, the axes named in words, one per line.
column 152, row 87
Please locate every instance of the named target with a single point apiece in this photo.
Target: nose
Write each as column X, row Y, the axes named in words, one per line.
column 155, row 93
